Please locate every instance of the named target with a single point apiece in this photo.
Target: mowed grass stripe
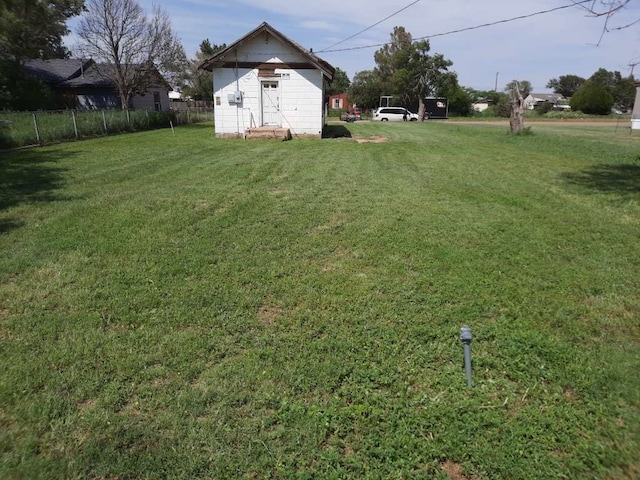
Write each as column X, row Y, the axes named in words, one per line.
column 189, row 307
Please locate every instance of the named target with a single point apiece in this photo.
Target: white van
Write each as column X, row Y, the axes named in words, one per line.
column 394, row 114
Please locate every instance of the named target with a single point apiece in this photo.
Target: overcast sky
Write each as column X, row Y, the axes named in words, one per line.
column 536, row 48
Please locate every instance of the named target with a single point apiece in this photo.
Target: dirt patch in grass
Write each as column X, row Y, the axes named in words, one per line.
column 375, row 139
column 453, row 470
column 268, row 314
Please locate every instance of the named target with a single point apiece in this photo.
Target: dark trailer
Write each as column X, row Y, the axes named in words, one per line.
column 436, row 108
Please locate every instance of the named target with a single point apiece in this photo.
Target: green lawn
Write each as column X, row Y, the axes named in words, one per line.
column 188, row 307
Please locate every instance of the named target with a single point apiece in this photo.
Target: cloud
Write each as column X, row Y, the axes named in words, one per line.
column 319, row 25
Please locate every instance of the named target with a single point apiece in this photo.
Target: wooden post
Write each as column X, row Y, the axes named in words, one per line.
column 75, row 124
column 104, row 122
column 35, row 124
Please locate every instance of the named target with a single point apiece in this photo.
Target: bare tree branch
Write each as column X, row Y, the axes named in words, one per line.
column 129, row 45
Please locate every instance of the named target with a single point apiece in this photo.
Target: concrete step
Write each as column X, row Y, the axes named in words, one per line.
column 268, row 133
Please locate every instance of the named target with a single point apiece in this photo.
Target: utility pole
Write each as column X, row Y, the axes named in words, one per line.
column 632, row 65
column 495, row 88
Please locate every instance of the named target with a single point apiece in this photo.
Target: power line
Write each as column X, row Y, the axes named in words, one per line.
column 369, row 27
column 521, row 17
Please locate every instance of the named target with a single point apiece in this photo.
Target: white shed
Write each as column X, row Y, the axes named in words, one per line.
column 266, row 80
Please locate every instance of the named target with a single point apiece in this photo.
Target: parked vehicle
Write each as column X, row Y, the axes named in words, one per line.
column 348, row 117
column 394, row 114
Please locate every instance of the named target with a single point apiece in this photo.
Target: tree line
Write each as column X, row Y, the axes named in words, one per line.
column 407, row 71
column 127, row 43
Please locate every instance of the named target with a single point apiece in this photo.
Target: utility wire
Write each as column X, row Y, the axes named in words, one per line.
column 521, row 17
column 368, row 28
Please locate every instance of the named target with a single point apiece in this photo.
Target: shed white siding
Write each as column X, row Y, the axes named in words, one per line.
column 299, row 93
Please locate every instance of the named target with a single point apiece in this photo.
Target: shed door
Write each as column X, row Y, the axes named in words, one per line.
column 270, row 104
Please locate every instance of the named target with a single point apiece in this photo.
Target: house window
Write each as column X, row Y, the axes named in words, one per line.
column 156, row 101
column 336, row 103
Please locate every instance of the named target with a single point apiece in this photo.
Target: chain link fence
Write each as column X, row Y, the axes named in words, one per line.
column 19, row 129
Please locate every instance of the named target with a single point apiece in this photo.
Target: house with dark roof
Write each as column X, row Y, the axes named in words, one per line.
column 266, row 81
column 84, row 84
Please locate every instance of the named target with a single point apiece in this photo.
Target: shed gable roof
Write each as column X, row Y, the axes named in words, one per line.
column 224, row 56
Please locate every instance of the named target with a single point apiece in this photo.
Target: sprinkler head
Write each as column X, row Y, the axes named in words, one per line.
column 465, row 335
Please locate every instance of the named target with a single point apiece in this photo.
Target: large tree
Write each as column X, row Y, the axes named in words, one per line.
column 407, row 70
column 339, row 84
column 523, row 85
column 592, row 98
column 198, row 83
column 129, row 44
column 30, row 29
column 622, row 89
column 565, row 85
column 35, row 28
column 366, row 89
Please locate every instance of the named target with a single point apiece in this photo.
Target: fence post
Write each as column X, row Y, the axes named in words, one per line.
column 35, row 124
column 104, row 122
column 75, row 124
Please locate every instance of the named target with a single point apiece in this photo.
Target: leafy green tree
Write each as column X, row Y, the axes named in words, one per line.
column 565, row 85
column 460, row 101
column 502, row 107
column 524, row 86
column 406, row 69
column 340, row 83
column 366, row 89
column 198, row 83
column 30, row 29
column 592, row 98
column 35, row 28
column 621, row 89
column 207, row 50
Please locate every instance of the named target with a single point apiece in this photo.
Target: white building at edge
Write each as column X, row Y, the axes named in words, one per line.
column 635, row 115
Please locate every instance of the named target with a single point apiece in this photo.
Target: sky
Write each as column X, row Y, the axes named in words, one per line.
column 537, row 48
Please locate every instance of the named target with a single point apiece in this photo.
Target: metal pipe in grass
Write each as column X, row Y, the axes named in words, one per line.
column 465, row 338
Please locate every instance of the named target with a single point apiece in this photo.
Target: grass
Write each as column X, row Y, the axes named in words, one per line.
column 191, row 307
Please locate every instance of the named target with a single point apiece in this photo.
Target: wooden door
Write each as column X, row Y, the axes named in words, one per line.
column 270, row 103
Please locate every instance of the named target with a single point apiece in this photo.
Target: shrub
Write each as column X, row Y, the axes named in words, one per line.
column 544, row 107
column 559, row 115
column 592, row 98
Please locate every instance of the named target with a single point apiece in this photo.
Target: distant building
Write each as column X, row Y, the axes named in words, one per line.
column 84, row 84
column 533, row 100
column 339, row 101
